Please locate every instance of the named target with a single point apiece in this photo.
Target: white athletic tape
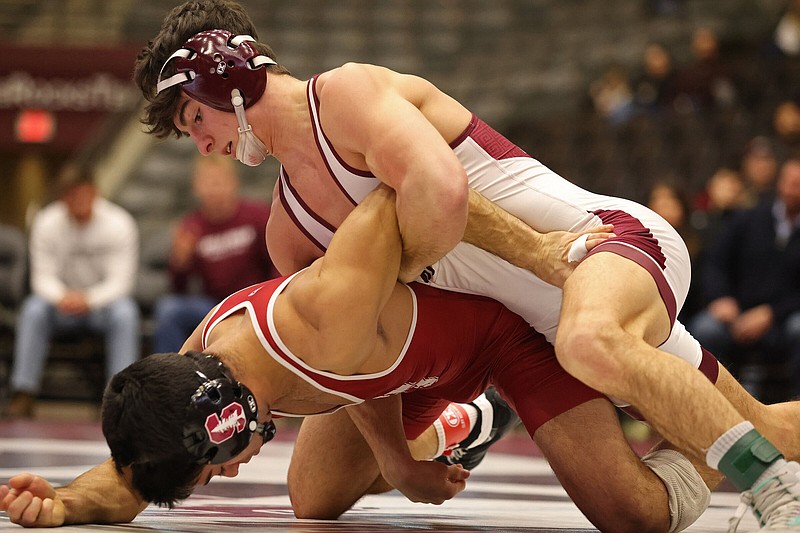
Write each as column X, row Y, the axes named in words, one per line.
column 578, row 249
column 688, row 494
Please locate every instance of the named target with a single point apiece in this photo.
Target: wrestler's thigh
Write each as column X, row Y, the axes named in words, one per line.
column 331, row 468
column 607, row 289
column 588, row 452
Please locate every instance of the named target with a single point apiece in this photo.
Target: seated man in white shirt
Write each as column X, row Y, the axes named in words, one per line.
column 84, row 255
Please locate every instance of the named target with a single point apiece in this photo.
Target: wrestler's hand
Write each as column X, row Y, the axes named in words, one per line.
column 427, row 481
column 31, row 501
column 561, row 251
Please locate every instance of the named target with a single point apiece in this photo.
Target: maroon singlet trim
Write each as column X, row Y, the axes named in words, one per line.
column 473, row 121
column 284, row 177
column 362, row 173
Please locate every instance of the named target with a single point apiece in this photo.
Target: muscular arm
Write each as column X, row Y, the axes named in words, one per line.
column 100, row 495
column 545, row 254
column 331, row 310
column 375, row 114
column 380, row 421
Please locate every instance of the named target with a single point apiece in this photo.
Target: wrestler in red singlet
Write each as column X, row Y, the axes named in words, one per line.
column 458, row 344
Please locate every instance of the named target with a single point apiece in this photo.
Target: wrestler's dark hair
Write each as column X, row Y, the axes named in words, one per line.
column 143, row 415
column 183, row 22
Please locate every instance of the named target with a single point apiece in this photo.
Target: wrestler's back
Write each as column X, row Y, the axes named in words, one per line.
column 452, row 340
column 495, row 167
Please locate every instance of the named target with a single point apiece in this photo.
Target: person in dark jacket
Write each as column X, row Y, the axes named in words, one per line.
column 751, row 280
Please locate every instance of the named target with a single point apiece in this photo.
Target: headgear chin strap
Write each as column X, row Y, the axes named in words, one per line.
column 221, row 419
column 223, row 71
column 249, row 150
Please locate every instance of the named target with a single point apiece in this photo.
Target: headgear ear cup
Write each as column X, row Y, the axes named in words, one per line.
column 221, row 418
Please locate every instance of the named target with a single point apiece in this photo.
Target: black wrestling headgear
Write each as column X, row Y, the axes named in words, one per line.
column 221, row 418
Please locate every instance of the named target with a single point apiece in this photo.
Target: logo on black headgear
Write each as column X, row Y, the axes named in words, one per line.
column 221, row 419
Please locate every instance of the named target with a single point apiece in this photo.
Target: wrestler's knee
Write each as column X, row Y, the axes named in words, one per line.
column 586, row 349
column 625, row 519
column 653, row 511
column 314, row 504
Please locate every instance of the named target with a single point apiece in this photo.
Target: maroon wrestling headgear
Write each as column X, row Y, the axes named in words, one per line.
column 213, row 63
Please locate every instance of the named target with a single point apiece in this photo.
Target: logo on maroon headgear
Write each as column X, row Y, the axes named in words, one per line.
column 233, row 421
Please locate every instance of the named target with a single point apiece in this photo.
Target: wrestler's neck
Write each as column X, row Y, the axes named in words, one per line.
column 280, row 117
column 249, row 365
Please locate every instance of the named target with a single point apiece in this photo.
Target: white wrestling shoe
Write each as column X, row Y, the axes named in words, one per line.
column 775, row 502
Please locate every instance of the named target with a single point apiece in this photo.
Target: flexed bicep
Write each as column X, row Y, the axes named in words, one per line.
column 338, row 300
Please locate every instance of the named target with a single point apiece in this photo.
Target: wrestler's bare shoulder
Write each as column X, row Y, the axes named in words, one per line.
column 366, row 80
column 357, row 88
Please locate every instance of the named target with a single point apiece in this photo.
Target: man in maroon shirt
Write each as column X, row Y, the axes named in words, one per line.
column 219, row 247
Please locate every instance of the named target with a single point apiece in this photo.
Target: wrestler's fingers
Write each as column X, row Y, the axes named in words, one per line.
column 598, row 238
column 457, row 477
column 456, row 473
column 6, row 497
column 604, row 228
column 51, row 514
column 31, row 514
column 17, row 506
column 21, row 482
column 25, row 481
column 36, row 485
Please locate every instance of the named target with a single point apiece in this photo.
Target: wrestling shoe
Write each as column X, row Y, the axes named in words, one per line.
column 775, row 502
column 471, row 451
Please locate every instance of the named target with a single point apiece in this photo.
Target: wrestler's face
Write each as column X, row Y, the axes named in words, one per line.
column 210, row 129
column 231, row 468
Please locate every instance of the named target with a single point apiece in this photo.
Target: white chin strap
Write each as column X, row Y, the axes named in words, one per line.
column 249, row 150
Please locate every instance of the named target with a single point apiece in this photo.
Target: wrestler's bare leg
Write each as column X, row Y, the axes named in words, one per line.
column 611, row 318
column 777, row 422
column 332, row 468
column 344, row 466
column 607, row 481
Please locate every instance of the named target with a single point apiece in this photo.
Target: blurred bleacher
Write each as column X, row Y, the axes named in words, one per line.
column 522, row 65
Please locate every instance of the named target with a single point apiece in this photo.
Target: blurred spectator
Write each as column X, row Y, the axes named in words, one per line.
column 759, row 169
column 84, row 253
column 723, row 195
column 786, row 36
column 782, row 57
column 786, row 123
column 661, row 8
column 654, row 88
column 707, row 82
column 221, row 246
column 751, row 279
column 612, row 96
column 667, row 200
